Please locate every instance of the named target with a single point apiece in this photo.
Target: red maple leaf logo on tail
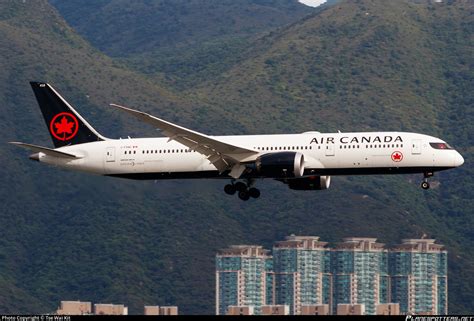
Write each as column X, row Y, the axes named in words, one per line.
column 64, row 126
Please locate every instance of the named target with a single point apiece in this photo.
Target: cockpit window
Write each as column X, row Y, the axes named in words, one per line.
column 440, row 146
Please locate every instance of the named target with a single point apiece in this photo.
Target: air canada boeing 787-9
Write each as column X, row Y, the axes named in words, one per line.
column 303, row 161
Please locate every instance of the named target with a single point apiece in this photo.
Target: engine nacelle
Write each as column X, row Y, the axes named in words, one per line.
column 280, row 165
column 310, row 183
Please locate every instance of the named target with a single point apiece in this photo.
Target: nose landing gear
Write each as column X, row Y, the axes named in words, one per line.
column 425, row 184
column 245, row 191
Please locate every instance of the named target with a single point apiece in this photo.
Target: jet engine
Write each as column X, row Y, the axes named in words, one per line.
column 280, row 165
column 310, row 183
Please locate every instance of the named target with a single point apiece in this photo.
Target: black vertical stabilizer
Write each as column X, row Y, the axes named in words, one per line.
column 64, row 124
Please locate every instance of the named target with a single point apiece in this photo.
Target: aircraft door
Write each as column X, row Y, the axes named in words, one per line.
column 416, row 146
column 110, row 154
column 330, row 149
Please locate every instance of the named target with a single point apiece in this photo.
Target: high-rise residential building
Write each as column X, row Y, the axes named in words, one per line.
column 360, row 273
column 241, row 278
column 356, row 276
column 301, row 272
column 418, row 270
column 269, row 282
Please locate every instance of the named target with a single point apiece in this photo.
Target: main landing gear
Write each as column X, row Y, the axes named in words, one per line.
column 245, row 191
column 425, row 184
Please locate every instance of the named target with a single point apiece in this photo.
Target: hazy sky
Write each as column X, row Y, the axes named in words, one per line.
column 312, row 3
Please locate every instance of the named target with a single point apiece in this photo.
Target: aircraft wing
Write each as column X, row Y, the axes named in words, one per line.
column 222, row 155
column 46, row 150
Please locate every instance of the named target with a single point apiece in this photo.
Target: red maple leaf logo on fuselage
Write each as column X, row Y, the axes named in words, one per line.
column 397, row 156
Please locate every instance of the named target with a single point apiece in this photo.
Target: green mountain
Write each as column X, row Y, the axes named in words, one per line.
column 358, row 65
column 178, row 42
column 121, row 28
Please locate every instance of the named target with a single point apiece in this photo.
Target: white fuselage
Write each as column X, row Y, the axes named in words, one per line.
column 324, row 154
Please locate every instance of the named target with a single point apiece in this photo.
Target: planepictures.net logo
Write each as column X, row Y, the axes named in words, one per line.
column 438, row 318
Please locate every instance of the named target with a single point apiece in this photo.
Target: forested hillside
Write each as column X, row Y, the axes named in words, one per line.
column 355, row 66
column 121, row 28
column 178, row 42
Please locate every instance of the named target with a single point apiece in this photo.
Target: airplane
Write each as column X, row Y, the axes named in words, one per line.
column 303, row 161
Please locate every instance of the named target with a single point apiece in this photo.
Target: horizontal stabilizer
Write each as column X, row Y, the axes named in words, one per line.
column 45, row 150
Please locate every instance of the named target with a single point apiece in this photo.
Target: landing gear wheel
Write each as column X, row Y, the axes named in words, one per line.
column 254, row 192
column 230, row 189
column 425, row 185
column 239, row 186
column 244, row 195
